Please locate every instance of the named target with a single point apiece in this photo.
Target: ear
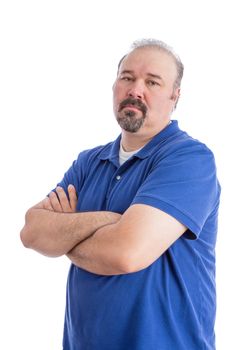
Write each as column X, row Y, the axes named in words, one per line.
column 175, row 97
column 113, row 86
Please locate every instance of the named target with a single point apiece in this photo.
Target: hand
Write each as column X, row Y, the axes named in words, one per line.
column 59, row 201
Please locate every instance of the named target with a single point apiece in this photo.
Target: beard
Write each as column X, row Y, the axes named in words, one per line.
column 128, row 119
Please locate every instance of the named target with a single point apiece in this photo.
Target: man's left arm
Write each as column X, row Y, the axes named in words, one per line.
column 140, row 237
column 143, row 233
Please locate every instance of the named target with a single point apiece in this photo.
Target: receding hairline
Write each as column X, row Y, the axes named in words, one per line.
column 156, row 44
column 141, row 48
column 159, row 46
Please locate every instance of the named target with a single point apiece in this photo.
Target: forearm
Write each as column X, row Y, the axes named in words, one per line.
column 131, row 244
column 102, row 253
column 54, row 234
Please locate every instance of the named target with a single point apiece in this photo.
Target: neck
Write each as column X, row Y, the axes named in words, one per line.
column 133, row 141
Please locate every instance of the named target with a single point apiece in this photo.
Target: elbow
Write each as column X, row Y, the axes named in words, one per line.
column 26, row 234
column 33, row 236
column 26, row 237
column 127, row 267
column 133, row 262
column 129, row 264
column 28, row 240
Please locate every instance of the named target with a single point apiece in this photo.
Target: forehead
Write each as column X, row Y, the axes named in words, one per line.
column 150, row 60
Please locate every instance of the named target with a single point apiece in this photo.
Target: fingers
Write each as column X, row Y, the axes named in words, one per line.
column 55, row 202
column 73, row 197
column 59, row 201
column 47, row 204
column 63, row 199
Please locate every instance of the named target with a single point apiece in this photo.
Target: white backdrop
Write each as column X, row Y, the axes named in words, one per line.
column 57, row 64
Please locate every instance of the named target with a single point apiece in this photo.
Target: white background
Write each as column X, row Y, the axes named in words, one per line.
column 57, row 64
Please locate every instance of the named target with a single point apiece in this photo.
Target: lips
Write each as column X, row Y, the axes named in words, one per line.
column 132, row 107
column 132, row 104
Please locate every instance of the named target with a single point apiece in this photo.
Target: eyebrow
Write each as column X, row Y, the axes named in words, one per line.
column 126, row 71
column 156, row 76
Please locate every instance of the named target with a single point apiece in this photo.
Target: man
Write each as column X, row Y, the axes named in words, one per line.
column 141, row 237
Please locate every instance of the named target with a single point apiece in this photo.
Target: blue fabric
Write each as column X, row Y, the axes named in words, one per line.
column 171, row 304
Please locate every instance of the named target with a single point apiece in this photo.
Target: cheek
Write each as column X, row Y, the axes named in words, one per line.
column 160, row 104
column 161, row 99
column 157, row 101
column 116, row 101
column 117, row 90
column 118, row 95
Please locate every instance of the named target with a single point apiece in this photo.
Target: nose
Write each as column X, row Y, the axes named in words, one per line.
column 136, row 90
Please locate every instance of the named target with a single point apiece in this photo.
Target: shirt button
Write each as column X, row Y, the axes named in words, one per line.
column 118, row 177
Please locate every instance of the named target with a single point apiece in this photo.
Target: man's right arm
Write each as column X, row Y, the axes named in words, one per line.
column 55, row 233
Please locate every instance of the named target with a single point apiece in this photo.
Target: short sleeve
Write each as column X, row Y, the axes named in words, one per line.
column 74, row 175
column 184, row 185
column 79, row 169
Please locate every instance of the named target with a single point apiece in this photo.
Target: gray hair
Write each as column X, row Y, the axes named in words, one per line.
column 160, row 45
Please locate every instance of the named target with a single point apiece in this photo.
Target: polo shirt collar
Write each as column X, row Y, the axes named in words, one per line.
column 163, row 135
column 111, row 151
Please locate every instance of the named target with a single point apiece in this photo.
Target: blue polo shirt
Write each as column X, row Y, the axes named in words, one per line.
column 169, row 305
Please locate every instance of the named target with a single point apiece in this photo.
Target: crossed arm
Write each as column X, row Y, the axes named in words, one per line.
column 105, row 243
column 53, row 228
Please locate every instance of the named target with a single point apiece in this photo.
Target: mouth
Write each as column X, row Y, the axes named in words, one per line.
column 132, row 107
column 132, row 104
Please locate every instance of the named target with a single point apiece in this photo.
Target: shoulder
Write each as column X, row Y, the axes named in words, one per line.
column 86, row 161
column 183, row 146
column 91, row 155
column 191, row 162
column 94, row 152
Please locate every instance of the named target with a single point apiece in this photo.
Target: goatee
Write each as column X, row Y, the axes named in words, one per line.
column 127, row 118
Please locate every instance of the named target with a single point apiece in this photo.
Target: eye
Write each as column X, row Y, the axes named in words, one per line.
column 126, row 78
column 152, row 83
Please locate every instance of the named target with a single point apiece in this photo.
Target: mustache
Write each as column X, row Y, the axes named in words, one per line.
column 133, row 102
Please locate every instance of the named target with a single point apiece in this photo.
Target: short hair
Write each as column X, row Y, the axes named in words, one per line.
column 159, row 45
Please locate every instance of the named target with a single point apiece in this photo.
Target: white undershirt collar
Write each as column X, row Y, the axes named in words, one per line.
column 124, row 156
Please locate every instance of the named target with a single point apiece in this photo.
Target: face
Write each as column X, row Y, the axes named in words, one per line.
column 143, row 93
